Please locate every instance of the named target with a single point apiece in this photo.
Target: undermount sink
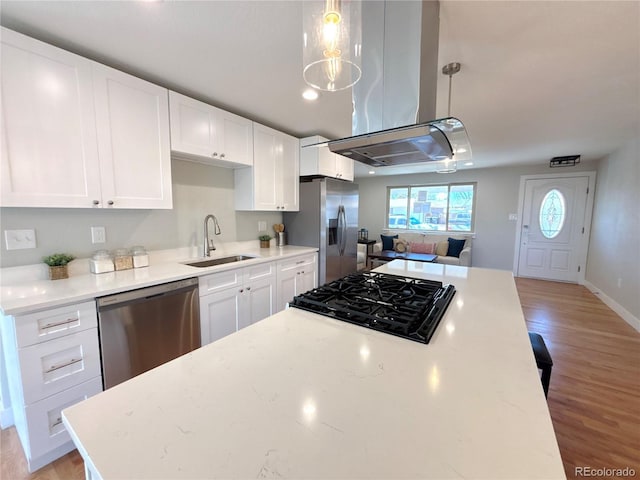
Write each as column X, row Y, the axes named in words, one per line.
column 219, row 261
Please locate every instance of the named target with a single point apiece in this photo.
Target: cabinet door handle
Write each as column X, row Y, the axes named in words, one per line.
column 64, row 322
column 58, row 367
column 57, row 422
column 241, row 290
column 215, row 154
column 248, row 288
column 96, row 202
column 222, row 155
column 110, row 202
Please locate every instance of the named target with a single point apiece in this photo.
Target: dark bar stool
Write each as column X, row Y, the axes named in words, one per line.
column 543, row 359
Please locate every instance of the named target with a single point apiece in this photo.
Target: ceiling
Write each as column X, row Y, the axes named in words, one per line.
column 538, row 80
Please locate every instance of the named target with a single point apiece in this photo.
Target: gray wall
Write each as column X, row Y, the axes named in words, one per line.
column 197, row 190
column 613, row 264
column 496, row 197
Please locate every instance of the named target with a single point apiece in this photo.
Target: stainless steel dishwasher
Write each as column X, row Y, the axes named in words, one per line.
column 141, row 329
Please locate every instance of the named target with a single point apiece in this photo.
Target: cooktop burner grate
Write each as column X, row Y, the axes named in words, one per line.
column 407, row 307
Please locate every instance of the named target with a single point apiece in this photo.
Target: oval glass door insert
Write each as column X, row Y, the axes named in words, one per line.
column 552, row 213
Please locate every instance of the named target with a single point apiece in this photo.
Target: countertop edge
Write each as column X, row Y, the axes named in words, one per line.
column 79, row 288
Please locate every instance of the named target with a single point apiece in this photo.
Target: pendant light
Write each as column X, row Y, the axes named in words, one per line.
column 449, row 165
column 331, row 49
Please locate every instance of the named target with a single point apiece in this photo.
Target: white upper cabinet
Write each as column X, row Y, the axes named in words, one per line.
column 206, row 134
column 78, row 134
column 319, row 160
column 272, row 182
column 344, row 168
column 49, row 145
column 133, row 140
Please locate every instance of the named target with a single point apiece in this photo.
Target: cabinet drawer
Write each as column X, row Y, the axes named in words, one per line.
column 220, row 281
column 44, row 420
column 263, row 270
column 296, row 262
column 50, row 367
column 32, row 328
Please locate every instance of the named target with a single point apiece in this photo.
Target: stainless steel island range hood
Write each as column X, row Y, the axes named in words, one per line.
column 394, row 102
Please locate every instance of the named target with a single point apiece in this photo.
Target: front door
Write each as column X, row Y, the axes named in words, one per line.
column 552, row 236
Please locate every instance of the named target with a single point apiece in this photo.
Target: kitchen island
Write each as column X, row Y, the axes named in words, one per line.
column 300, row 395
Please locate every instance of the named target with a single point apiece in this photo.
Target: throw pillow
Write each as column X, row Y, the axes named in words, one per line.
column 387, row 241
column 399, row 245
column 417, row 247
column 455, row 247
column 442, row 248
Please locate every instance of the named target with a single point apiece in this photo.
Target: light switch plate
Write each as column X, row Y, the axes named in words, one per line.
column 98, row 235
column 20, row 239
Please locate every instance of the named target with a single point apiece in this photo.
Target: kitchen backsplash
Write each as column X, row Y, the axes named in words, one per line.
column 197, row 191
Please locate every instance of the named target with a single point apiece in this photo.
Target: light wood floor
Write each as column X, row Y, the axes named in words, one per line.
column 594, row 396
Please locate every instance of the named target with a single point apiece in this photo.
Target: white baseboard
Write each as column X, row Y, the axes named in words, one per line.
column 613, row 305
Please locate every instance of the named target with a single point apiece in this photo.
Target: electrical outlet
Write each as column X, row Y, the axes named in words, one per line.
column 20, row 239
column 513, row 217
column 262, row 226
column 98, row 235
column 619, row 282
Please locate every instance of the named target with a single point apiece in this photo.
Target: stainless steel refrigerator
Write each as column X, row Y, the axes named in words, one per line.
column 327, row 220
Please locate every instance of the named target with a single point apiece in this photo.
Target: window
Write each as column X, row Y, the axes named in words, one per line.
column 444, row 208
column 552, row 212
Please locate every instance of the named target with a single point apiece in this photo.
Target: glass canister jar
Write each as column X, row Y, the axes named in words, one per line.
column 101, row 262
column 140, row 256
column 122, row 259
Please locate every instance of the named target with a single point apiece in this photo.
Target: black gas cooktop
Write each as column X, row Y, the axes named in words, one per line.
column 407, row 307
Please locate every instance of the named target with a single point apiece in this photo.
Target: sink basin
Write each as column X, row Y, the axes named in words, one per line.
column 219, row 261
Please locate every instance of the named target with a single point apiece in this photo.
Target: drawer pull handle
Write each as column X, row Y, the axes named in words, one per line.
column 58, row 367
column 64, row 322
column 301, row 261
column 57, row 422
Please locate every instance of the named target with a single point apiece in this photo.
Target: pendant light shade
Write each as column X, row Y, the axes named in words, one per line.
column 331, row 49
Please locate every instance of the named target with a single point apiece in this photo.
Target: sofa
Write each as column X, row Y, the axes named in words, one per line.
column 436, row 243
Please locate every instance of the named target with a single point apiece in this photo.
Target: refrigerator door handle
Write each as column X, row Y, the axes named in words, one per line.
column 342, row 230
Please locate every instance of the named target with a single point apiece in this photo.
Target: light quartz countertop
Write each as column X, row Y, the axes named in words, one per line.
column 300, row 395
column 28, row 293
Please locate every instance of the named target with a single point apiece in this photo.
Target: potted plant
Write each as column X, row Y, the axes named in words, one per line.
column 58, row 265
column 264, row 241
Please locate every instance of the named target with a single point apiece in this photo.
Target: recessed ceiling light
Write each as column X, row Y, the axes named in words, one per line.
column 310, row 94
column 372, row 172
column 468, row 164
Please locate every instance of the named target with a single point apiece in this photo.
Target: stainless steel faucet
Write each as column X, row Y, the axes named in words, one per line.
column 208, row 243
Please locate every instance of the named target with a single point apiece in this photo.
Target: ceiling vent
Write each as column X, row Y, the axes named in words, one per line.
column 567, row 161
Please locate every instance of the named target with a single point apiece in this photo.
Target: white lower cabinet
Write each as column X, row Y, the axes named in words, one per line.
column 296, row 275
column 47, row 437
column 232, row 300
column 52, row 361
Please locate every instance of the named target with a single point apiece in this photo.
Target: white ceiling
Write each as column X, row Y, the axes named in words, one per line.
column 538, row 80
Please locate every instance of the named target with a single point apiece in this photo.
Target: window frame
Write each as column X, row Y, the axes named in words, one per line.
column 474, row 186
